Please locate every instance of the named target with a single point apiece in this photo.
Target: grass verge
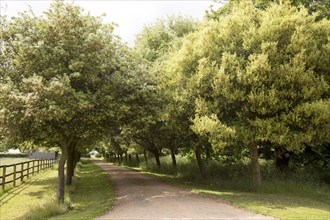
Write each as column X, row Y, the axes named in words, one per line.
column 90, row 195
column 283, row 199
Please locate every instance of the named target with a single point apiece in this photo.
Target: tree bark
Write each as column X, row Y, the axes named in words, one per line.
column 145, row 157
column 156, row 154
column 137, row 158
column 200, row 162
column 70, row 165
column 61, row 177
column 76, row 159
column 130, row 158
column 173, row 157
column 282, row 159
column 256, row 175
column 208, row 153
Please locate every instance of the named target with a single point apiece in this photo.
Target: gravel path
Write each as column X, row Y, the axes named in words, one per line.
column 140, row 196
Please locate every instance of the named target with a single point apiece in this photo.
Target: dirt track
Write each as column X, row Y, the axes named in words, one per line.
column 139, row 196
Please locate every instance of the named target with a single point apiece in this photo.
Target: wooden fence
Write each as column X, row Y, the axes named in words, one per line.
column 14, row 172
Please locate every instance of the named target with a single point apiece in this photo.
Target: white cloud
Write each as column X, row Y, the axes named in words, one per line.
column 131, row 16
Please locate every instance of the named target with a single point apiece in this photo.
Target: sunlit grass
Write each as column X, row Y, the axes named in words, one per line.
column 91, row 195
column 18, row 202
column 9, row 160
column 10, row 170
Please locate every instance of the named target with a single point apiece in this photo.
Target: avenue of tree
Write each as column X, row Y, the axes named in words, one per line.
column 252, row 77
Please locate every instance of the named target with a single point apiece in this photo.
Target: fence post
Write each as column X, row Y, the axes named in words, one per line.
column 3, row 177
column 22, row 171
column 28, row 169
column 38, row 166
column 14, row 180
column 33, row 167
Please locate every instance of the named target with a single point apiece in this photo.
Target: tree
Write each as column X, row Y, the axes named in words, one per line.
column 137, row 102
column 258, row 81
column 157, row 39
column 56, row 89
column 321, row 7
column 151, row 130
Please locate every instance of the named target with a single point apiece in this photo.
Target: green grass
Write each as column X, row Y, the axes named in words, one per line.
column 295, row 195
column 38, row 191
column 9, row 160
column 283, row 206
column 10, row 170
column 91, row 195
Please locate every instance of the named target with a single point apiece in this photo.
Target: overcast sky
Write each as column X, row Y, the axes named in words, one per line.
column 129, row 15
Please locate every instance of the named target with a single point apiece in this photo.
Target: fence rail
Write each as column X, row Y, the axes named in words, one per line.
column 23, row 169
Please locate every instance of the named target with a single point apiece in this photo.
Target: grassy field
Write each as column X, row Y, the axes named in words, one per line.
column 90, row 195
column 10, row 170
column 19, row 201
column 288, row 198
column 9, row 160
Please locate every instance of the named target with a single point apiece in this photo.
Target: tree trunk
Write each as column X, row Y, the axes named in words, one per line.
column 126, row 157
column 208, row 153
column 70, row 165
column 61, row 177
column 137, row 158
column 173, row 158
column 130, row 158
column 200, row 162
column 256, row 176
column 145, row 157
column 282, row 159
column 121, row 158
column 157, row 160
column 76, row 159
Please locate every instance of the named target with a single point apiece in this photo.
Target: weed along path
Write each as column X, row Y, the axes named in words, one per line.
column 140, row 196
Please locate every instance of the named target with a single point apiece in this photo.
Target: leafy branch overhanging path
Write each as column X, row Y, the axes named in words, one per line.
column 140, row 196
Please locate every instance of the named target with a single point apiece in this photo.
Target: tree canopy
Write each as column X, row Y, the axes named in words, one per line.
column 259, row 81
